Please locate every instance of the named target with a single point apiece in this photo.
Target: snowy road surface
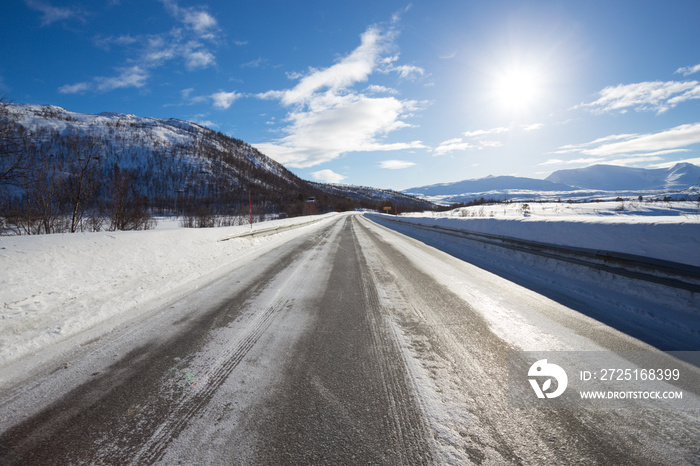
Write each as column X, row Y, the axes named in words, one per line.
column 349, row 344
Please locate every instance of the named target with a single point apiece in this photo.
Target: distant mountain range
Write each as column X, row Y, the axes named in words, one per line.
column 615, row 178
column 600, row 180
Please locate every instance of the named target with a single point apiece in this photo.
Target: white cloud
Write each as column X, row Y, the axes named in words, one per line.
column 328, row 176
column 223, row 99
column 407, row 71
column 133, row 76
column 206, row 123
column 485, row 132
column 395, row 164
column 688, row 70
column 451, row 145
column 655, row 96
column 148, row 52
column 376, row 89
column 694, row 161
column 77, row 88
column 624, row 149
column 51, row 14
column 476, row 139
column 532, row 127
column 200, row 21
column 350, row 125
column 129, row 77
column 587, row 161
column 327, row 117
column 198, row 59
column 674, row 138
column 257, row 63
column 356, row 67
column 106, row 43
column 195, row 19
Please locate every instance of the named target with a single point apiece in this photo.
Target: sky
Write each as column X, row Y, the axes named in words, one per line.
column 383, row 93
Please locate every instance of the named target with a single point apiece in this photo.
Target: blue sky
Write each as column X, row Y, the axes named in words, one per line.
column 390, row 94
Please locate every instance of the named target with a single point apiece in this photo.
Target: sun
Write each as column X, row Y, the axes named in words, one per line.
column 518, row 88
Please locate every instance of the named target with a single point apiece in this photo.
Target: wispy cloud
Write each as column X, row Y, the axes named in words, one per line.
column 694, row 161
column 688, row 70
column 658, row 96
column 631, row 148
column 52, row 14
column 674, row 138
column 133, row 76
column 405, row 71
column 328, row 176
column 395, row 164
column 328, row 117
column 189, row 44
column 532, row 127
column 453, row 145
column 257, row 63
column 377, row 89
column 485, row 132
column 194, row 18
column 474, row 140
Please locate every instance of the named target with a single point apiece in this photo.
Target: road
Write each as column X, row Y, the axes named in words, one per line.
column 352, row 344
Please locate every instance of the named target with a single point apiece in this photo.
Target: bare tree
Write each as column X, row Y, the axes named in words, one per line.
column 83, row 179
column 127, row 211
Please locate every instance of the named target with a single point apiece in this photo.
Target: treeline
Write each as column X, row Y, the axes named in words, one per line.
column 65, row 189
column 117, row 173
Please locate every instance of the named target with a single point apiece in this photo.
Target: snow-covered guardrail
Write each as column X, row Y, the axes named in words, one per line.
column 664, row 272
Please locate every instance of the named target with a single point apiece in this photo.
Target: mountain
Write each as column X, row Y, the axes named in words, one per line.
column 380, row 197
column 583, row 183
column 615, row 178
column 56, row 163
column 488, row 184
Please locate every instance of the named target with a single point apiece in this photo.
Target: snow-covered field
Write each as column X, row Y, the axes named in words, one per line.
column 662, row 230
column 53, row 287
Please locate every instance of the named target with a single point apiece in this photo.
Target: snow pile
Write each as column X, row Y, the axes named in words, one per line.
column 56, row 286
column 667, row 231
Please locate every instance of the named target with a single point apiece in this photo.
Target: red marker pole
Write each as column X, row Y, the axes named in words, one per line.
column 250, row 205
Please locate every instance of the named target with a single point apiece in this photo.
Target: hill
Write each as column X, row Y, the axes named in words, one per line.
column 61, row 166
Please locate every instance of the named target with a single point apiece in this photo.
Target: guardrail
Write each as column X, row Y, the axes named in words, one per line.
column 273, row 230
column 673, row 274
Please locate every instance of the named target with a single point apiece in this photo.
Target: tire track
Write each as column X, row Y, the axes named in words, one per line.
column 130, row 412
column 345, row 397
column 215, row 372
column 200, row 394
column 410, row 425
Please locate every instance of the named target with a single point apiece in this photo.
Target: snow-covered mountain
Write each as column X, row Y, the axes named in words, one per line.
column 615, row 178
column 490, row 183
column 591, row 182
column 171, row 163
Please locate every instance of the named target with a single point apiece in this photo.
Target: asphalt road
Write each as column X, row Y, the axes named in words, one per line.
column 352, row 344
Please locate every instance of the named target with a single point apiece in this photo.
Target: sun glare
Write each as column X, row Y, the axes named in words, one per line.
column 518, row 89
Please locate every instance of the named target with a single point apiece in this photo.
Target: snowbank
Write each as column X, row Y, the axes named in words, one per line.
column 56, row 286
column 661, row 231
